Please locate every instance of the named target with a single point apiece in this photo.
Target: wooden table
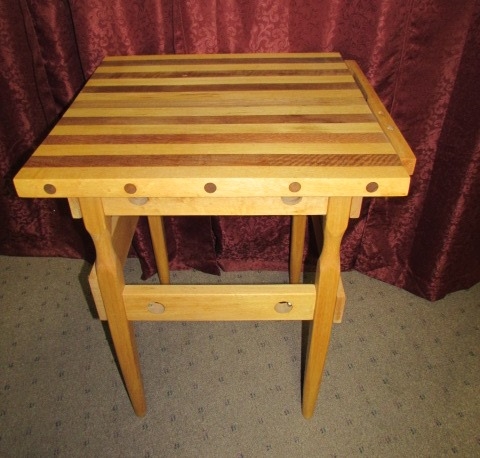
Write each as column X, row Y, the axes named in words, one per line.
column 249, row 134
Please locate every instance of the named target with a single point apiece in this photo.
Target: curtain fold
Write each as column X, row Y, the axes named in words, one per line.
column 396, row 237
column 29, row 106
column 421, row 57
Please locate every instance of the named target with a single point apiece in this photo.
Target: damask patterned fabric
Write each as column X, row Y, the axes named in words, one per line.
column 419, row 55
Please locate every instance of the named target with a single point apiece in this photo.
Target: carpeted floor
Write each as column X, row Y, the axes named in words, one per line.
column 402, row 376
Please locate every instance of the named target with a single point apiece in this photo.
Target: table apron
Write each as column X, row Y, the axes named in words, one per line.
column 204, row 206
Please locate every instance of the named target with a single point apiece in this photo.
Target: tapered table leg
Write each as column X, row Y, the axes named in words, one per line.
column 326, row 282
column 297, row 243
column 111, row 283
column 157, row 233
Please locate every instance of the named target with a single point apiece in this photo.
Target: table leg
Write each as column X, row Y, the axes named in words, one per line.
column 111, row 283
column 326, row 283
column 157, row 233
column 297, row 243
column 318, row 231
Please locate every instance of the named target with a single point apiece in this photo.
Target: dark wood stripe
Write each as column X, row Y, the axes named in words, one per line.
column 244, row 138
column 221, row 87
column 252, row 119
column 352, row 99
column 212, row 160
column 221, row 61
column 223, row 73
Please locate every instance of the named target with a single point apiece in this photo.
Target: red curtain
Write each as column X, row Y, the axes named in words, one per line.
column 421, row 56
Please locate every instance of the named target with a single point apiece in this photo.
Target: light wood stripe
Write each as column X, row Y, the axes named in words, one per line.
column 220, row 148
column 223, row 98
column 123, row 81
column 218, row 111
column 155, row 79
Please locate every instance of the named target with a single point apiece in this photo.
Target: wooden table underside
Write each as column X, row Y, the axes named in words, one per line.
column 251, row 134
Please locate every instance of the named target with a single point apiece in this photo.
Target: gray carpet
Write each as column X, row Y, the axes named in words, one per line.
column 402, row 376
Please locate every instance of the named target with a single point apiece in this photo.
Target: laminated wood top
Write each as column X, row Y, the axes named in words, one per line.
column 222, row 126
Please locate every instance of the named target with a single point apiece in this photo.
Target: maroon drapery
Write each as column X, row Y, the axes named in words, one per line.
column 421, row 56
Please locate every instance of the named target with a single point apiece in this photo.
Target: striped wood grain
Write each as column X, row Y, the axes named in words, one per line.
column 269, row 116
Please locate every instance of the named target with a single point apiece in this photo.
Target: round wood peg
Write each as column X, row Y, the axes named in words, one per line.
column 138, row 200
column 291, row 200
column 372, row 186
column 283, row 307
column 156, row 307
column 50, row 189
column 130, row 188
column 295, row 186
column 210, row 187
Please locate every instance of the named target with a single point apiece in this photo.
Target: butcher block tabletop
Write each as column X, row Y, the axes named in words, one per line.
column 222, row 126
